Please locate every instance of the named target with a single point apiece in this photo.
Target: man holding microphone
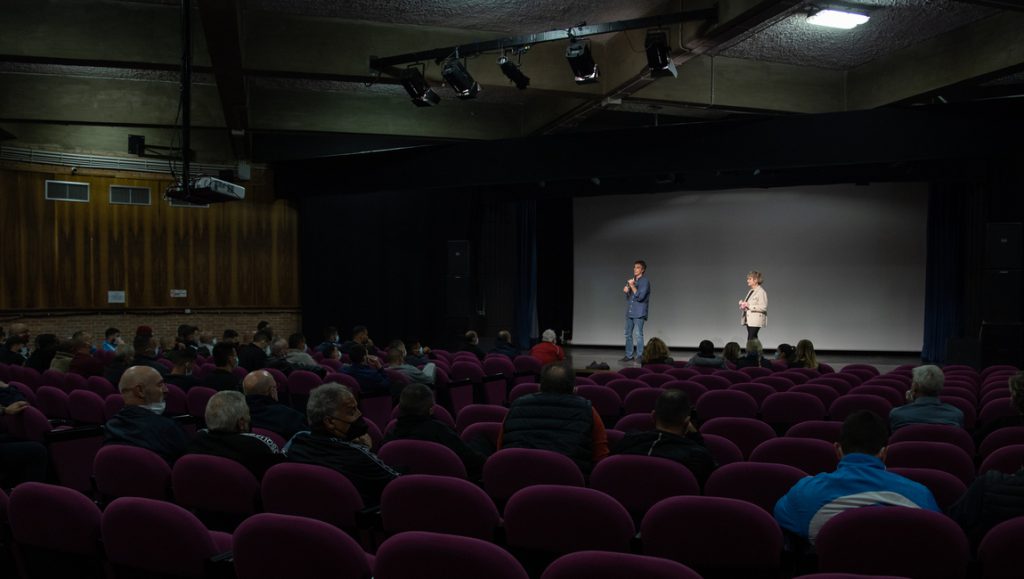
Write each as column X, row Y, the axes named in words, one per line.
column 638, row 294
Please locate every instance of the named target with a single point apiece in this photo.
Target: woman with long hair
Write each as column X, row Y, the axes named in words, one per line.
column 656, row 352
column 805, row 356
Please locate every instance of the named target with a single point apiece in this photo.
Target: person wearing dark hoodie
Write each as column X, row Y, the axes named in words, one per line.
column 705, row 356
column 674, row 437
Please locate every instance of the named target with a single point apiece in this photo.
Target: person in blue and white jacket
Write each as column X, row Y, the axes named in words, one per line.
column 860, row 480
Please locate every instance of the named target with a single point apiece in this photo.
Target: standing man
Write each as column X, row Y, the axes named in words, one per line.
column 638, row 294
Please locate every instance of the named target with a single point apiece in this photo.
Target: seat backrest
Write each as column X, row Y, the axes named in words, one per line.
column 455, row 507
column 511, row 469
column 184, row 544
column 712, row 381
column 53, row 403
column 474, row 413
column 422, row 457
column 734, row 481
column 823, row 392
column 623, row 386
column 638, row 482
column 655, row 380
column 946, row 488
column 758, row 391
column 847, row 404
column 889, row 534
column 810, row 455
column 719, row 403
column 523, row 389
column 560, row 519
column 86, row 407
column 605, row 565
column 827, row 430
column 938, row 455
column 438, row 556
column 313, row 491
column 746, row 433
column 634, row 372
column 993, row 410
column 638, row 421
column 935, row 433
column 606, row 401
column 196, row 400
column 214, row 484
column 713, row 534
column 999, row 551
column 999, row 438
column 1007, row 459
column 786, row 408
column 35, row 508
column 274, row 545
column 130, row 471
column 642, row 399
column 722, row 449
column 779, row 383
column 693, row 390
column 895, row 397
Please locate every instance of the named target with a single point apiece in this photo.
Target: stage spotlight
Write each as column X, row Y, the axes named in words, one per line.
column 513, row 73
column 659, row 55
column 459, row 79
column 417, row 87
column 582, row 63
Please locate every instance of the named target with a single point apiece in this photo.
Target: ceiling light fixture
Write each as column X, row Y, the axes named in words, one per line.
column 459, row 79
column 584, row 69
column 659, row 55
column 509, row 69
column 417, row 87
column 837, row 19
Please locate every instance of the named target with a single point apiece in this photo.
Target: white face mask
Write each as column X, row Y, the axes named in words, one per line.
column 156, row 407
column 156, row 352
column 267, row 350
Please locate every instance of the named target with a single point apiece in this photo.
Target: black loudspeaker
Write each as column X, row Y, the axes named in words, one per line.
column 1002, row 294
column 458, row 257
column 1004, row 248
column 1002, row 344
column 965, row 351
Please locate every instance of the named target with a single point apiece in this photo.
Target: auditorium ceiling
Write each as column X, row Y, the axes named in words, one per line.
column 283, row 79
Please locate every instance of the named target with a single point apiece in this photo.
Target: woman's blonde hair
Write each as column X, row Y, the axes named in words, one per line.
column 655, row 350
column 756, row 276
column 805, row 354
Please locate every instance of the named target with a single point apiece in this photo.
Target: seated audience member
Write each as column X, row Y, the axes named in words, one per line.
column 338, row 439
column 396, row 361
column 754, row 356
column 205, row 345
column 223, row 376
column 188, row 337
column 804, row 356
column 142, row 422
column 43, row 352
column 11, row 351
column 471, row 343
column 266, row 411
column 332, row 353
column 227, row 434
column 1016, row 384
column 297, row 355
column 556, row 419
column 785, row 355
column 21, row 330
column 20, row 460
column 860, row 480
column 82, row 362
column 124, row 358
column 925, row 406
column 656, row 352
column 731, row 352
column 253, row 356
column 361, row 337
column 674, row 437
column 62, row 358
column 416, row 353
column 230, row 337
column 503, row 345
column 330, row 339
column 992, row 498
column 706, row 357
column 416, row 421
column 181, row 373
column 85, row 337
column 112, row 339
column 371, row 380
column 145, row 347
column 264, row 326
column 547, row 351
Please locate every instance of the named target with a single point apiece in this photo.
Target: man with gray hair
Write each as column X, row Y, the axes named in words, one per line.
column 924, row 406
column 547, row 351
column 339, row 440
column 267, row 412
column 227, row 434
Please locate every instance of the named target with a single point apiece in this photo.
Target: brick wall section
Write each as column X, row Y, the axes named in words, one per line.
column 164, row 324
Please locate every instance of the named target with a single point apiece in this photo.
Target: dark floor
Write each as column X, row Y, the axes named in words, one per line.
column 581, row 356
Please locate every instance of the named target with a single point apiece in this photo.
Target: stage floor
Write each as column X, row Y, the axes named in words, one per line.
column 582, row 356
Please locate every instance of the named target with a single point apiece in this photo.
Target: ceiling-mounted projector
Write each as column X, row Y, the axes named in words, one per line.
column 207, row 190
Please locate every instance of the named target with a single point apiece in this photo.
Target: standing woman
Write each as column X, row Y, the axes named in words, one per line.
column 754, row 305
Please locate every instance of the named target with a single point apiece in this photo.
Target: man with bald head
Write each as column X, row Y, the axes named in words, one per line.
column 142, row 422
column 261, row 395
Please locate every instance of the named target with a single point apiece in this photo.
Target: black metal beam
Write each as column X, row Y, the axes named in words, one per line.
column 222, row 24
column 439, row 54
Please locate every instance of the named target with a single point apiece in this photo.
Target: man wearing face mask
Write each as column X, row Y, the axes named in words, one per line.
column 141, row 422
column 338, row 440
column 11, row 351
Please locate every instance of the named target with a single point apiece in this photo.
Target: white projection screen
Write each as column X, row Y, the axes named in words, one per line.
column 843, row 265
